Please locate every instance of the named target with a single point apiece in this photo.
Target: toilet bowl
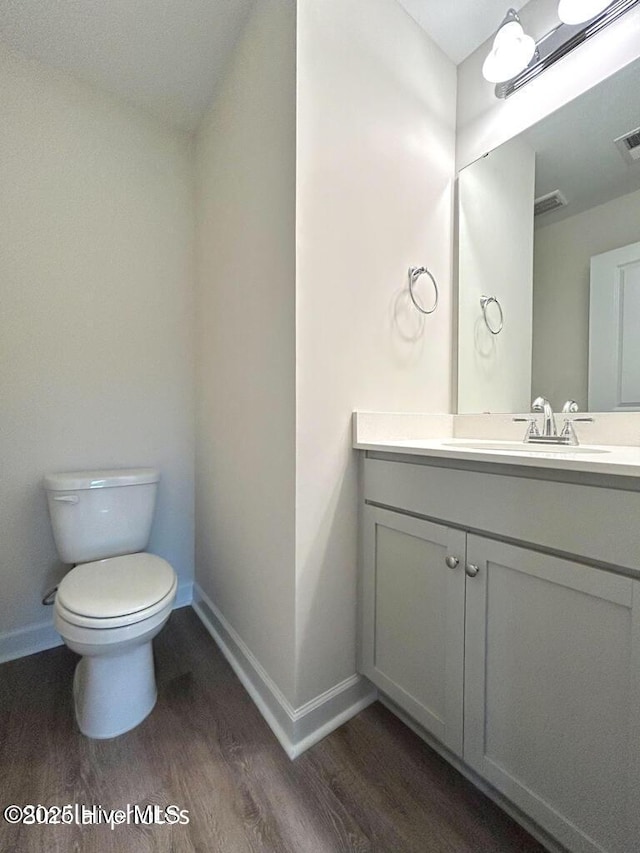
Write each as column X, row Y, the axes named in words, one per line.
column 109, row 611
column 115, row 599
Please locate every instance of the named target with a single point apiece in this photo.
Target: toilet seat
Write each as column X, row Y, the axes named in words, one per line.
column 116, row 591
column 96, row 638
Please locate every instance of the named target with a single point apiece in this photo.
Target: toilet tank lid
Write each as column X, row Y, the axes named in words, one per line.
column 100, row 479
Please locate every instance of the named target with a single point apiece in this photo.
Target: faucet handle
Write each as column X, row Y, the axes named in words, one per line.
column 532, row 429
column 568, row 430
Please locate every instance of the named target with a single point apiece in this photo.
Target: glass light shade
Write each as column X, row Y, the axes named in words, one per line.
column 578, row 11
column 512, row 51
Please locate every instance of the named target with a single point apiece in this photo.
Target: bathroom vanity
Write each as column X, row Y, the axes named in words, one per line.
column 500, row 615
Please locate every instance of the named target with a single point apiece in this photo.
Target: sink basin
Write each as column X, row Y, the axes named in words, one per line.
column 522, row 447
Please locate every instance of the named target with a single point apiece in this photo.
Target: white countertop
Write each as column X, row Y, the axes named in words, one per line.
column 618, row 460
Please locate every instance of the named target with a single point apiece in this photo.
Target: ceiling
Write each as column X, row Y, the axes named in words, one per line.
column 162, row 55
column 167, row 56
column 460, row 26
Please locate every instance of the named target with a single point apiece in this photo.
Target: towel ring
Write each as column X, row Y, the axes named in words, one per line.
column 487, row 300
column 414, row 275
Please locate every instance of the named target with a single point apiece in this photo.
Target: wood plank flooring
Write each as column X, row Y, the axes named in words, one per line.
column 370, row 786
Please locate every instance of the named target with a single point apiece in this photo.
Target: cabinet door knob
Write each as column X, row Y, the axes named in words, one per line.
column 452, row 562
column 472, row 570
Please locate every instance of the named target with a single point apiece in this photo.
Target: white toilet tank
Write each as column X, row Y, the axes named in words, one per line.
column 98, row 514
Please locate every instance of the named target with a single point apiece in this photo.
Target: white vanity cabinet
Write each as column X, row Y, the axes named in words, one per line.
column 413, row 618
column 550, row 692
column 524, row 664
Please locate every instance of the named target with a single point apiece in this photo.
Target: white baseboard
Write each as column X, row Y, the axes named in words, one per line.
column 28, row 641
column 297, row 729
column 42, row 636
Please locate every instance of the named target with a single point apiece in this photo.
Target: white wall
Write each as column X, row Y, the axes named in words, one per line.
column 355, row 170
column 376, row 137
column 96, row 303
column 484, row 122
column 245, row 473
column 561, row 293
column 495, row 203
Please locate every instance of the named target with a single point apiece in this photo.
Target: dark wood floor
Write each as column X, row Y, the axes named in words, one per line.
column 370, row 786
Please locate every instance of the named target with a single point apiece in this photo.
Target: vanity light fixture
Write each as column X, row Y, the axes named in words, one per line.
column 579, row 11
column 512, row 50
column 516, row 58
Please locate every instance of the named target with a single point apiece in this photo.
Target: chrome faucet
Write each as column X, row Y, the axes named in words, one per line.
column 549, row 434
column 549, row 428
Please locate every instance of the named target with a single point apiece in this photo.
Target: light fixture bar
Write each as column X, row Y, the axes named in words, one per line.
column 551, row 47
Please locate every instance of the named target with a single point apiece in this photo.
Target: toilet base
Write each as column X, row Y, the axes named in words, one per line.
column 114, row 693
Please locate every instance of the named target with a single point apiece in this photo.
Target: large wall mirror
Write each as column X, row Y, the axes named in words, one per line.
column 549, row 304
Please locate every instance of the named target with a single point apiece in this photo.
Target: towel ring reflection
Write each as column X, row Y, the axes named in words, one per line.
column 414, row 275
column 484, row 302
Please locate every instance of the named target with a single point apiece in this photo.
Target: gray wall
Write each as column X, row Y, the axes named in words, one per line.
column 376, row 137
column 561, row 270
column 96, row 366
column 246, row 417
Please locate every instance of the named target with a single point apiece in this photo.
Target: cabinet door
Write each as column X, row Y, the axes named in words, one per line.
column 412, row 642
column 552, row 672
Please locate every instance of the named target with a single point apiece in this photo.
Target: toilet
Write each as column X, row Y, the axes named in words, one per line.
column 116, row 598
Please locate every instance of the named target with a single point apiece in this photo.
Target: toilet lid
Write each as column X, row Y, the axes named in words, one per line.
column 117, row 586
